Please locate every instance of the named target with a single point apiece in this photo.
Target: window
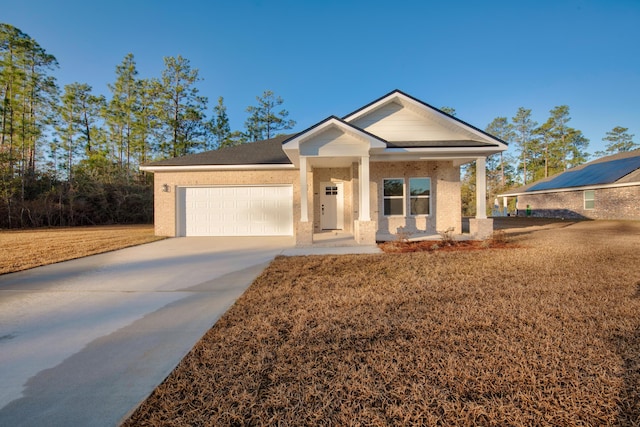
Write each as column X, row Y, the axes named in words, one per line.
column 589, row 199
column 420, row 195
column 331, row 191
column 393, row 195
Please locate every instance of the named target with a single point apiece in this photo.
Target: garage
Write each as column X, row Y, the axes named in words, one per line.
column 235, row 211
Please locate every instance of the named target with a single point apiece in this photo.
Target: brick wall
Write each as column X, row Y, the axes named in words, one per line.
column 609, row 203
column 446, row 204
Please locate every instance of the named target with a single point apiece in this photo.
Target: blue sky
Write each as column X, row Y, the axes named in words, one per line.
column 484, row 58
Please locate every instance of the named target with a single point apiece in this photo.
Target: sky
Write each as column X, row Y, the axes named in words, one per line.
column 330, row 57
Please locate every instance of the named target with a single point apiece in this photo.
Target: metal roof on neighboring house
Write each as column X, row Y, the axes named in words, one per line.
column 602, row 171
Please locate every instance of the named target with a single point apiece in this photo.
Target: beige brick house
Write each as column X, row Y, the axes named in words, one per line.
column 392, row 164
column 605, row 188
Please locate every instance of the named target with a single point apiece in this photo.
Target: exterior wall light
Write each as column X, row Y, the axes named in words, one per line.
column 166, row 188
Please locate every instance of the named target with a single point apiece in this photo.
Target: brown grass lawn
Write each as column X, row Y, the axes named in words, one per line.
column 23, row 249
column 545, row 333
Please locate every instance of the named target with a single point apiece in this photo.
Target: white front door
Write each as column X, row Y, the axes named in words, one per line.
column 331, row 206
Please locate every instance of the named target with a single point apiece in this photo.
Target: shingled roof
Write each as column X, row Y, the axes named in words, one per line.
column 267, row 152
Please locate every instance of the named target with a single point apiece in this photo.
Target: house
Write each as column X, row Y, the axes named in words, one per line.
column 392, row 164
column 606, row 188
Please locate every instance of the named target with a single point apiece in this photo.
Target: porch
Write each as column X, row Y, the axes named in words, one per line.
column 343, row 209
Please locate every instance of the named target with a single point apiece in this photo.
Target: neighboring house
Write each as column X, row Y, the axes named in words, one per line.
column 394, row 163
column 606, row 188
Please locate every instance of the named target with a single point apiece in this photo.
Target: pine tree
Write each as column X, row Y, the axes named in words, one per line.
column 545, row 147
column 500, row 128
column 559, row 132
column 564, row 146
column 449, row 110
column 220, row 129
column 523, row 126
column 67, row 128
column 27, row 94
column 180, row 109
column 146, row 124
column 618, row 140
column 120, row 115
column 264, row 121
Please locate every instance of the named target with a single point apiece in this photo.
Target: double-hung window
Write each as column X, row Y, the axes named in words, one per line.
column 393, row 195
column 420, row 196
column 589, row 199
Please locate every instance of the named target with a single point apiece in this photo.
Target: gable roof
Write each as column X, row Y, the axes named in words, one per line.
column 600, row 172
column 337, row 122
column 482, row 138
column 291, row 146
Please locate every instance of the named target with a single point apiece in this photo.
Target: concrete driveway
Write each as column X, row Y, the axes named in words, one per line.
column 84, row 341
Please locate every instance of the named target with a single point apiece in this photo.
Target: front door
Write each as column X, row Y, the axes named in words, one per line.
column 331, row 206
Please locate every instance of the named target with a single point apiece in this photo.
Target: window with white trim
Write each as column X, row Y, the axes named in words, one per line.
column 393, row 195
column 420, row 196
column 589, row 199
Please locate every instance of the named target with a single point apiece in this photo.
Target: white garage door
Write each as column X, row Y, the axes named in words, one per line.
column 236, row 211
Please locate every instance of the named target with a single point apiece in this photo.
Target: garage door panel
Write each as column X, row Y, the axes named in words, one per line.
column 236, row 211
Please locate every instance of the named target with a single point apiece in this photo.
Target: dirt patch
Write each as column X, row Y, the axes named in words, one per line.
column 544, row 334
column 24, row 249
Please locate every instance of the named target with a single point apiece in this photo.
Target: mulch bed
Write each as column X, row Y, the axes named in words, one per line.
column 431, row 246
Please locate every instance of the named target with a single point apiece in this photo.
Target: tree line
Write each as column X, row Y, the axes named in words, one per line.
column 71, row 157
column 540, row 151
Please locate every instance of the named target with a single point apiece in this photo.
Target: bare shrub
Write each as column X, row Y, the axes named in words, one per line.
column 403, row 235
column 447, row 236
column 499, row 237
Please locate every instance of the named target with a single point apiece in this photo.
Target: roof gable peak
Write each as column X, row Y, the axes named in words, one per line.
column 437, row 125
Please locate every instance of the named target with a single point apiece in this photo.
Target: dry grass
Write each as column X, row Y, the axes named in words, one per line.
column 24, row 249
column 547, row 333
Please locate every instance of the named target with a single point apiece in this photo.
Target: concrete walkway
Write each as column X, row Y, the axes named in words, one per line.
column 85, row 341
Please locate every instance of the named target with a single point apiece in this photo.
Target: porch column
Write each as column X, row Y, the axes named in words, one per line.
column 481, row 227
column 481, row 188
column 304, row 204
column 363, row 177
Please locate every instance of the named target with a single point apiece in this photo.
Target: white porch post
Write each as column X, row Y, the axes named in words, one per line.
column 304, row 204
column 481, row 188
column 363, row 177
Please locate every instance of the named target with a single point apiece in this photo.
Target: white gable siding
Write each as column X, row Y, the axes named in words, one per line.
column 334, row 142
column 393, row 122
